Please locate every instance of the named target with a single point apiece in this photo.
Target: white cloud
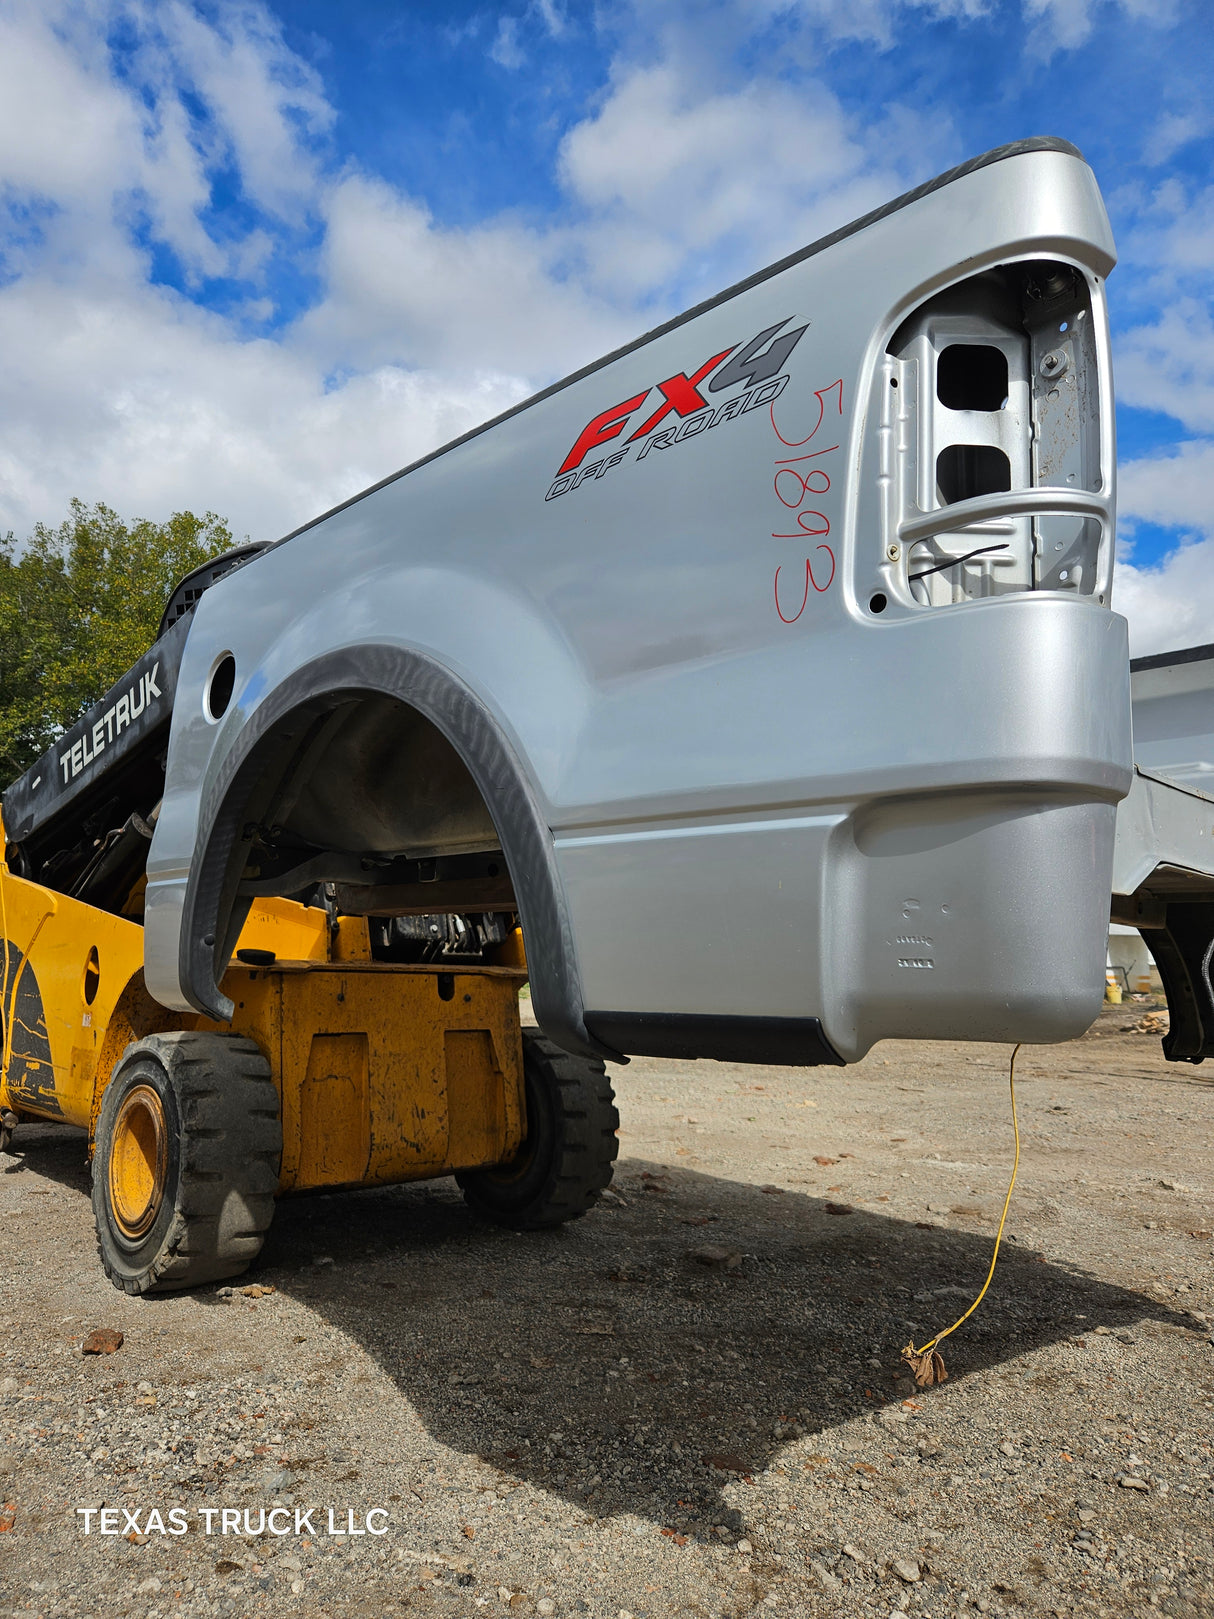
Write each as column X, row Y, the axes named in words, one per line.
column 1171, row 606
column 1067, row 24
column 672, row 172
column 119, row 389
column 506, row 50
column 400, row 288
column 873, row 20
column 1175, row 491
column 263, row 96
column 152, row 405
column 1169, row 366
column 1173, row 131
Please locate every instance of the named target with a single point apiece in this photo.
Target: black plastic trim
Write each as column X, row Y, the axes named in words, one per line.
column 435, row 692
column 1184, row 953
column 1166, row 660
column 786, row 1042
column 997, row 154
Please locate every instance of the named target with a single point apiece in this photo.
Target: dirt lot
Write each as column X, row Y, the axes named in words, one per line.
column 689, row 1402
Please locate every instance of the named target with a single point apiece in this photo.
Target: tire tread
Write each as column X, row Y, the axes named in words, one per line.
column 230, row 1148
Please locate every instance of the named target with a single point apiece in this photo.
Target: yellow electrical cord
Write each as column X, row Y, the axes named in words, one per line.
column 910, row 1350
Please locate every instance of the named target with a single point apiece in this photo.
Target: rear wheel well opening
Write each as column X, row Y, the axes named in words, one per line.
column 379, row 775
column 359, row 801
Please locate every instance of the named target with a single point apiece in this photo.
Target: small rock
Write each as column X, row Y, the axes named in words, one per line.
column 824, row 1577
column 1008, row 1448
column 906, row 1569
column 469, row 1532
column 297, row 1588
column 745, row 1548
column 145, row 1587
column 225, row 1292
column 1131, row 1481
column 256, row 1291
column 102, row 1341
column 717, row 1258
column 545, row 1605
column 322, row 1259
column 8, row 1385
column 1085, row 1514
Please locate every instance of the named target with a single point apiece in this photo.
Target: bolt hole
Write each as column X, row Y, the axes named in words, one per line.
column 893, row 382
column 92, row 977
column 446, row 986
column 878, row 602
column 220, row 687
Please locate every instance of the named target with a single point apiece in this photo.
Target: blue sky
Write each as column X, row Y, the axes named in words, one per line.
column 257, row 256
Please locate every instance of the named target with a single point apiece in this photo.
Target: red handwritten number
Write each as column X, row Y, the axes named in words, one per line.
column 820, row 395
column 809, row 580
column 803, row 485
column 803, row 527
column 792, row 487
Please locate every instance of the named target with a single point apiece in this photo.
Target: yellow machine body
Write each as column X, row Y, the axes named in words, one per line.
column 385, row 1073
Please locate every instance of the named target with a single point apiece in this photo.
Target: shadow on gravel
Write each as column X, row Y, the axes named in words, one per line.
column 57, row 1152
column 645, row 1356
column 632, row 1361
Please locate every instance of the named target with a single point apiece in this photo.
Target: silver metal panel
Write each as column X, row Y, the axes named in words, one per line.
column 1173, row 708
column 673, row 634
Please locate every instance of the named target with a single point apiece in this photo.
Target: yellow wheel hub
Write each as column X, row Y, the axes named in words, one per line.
column 138, row 1157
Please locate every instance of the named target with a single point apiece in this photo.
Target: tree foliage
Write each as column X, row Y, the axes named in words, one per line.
column 78, row 604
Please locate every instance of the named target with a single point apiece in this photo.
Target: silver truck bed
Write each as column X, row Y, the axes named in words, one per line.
column 1163, row 862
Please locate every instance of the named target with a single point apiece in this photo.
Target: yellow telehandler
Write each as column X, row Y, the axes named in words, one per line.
column 362, row 1049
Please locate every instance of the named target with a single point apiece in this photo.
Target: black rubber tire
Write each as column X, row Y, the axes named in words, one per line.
column 571, row 1145
column 224, row 1150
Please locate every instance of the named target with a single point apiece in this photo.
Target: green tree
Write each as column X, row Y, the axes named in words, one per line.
column 78, row 604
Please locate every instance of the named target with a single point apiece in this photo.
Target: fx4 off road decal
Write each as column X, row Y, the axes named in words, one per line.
column 676, row 409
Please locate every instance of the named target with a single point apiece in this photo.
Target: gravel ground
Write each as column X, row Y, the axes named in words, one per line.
column 689, row 1402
